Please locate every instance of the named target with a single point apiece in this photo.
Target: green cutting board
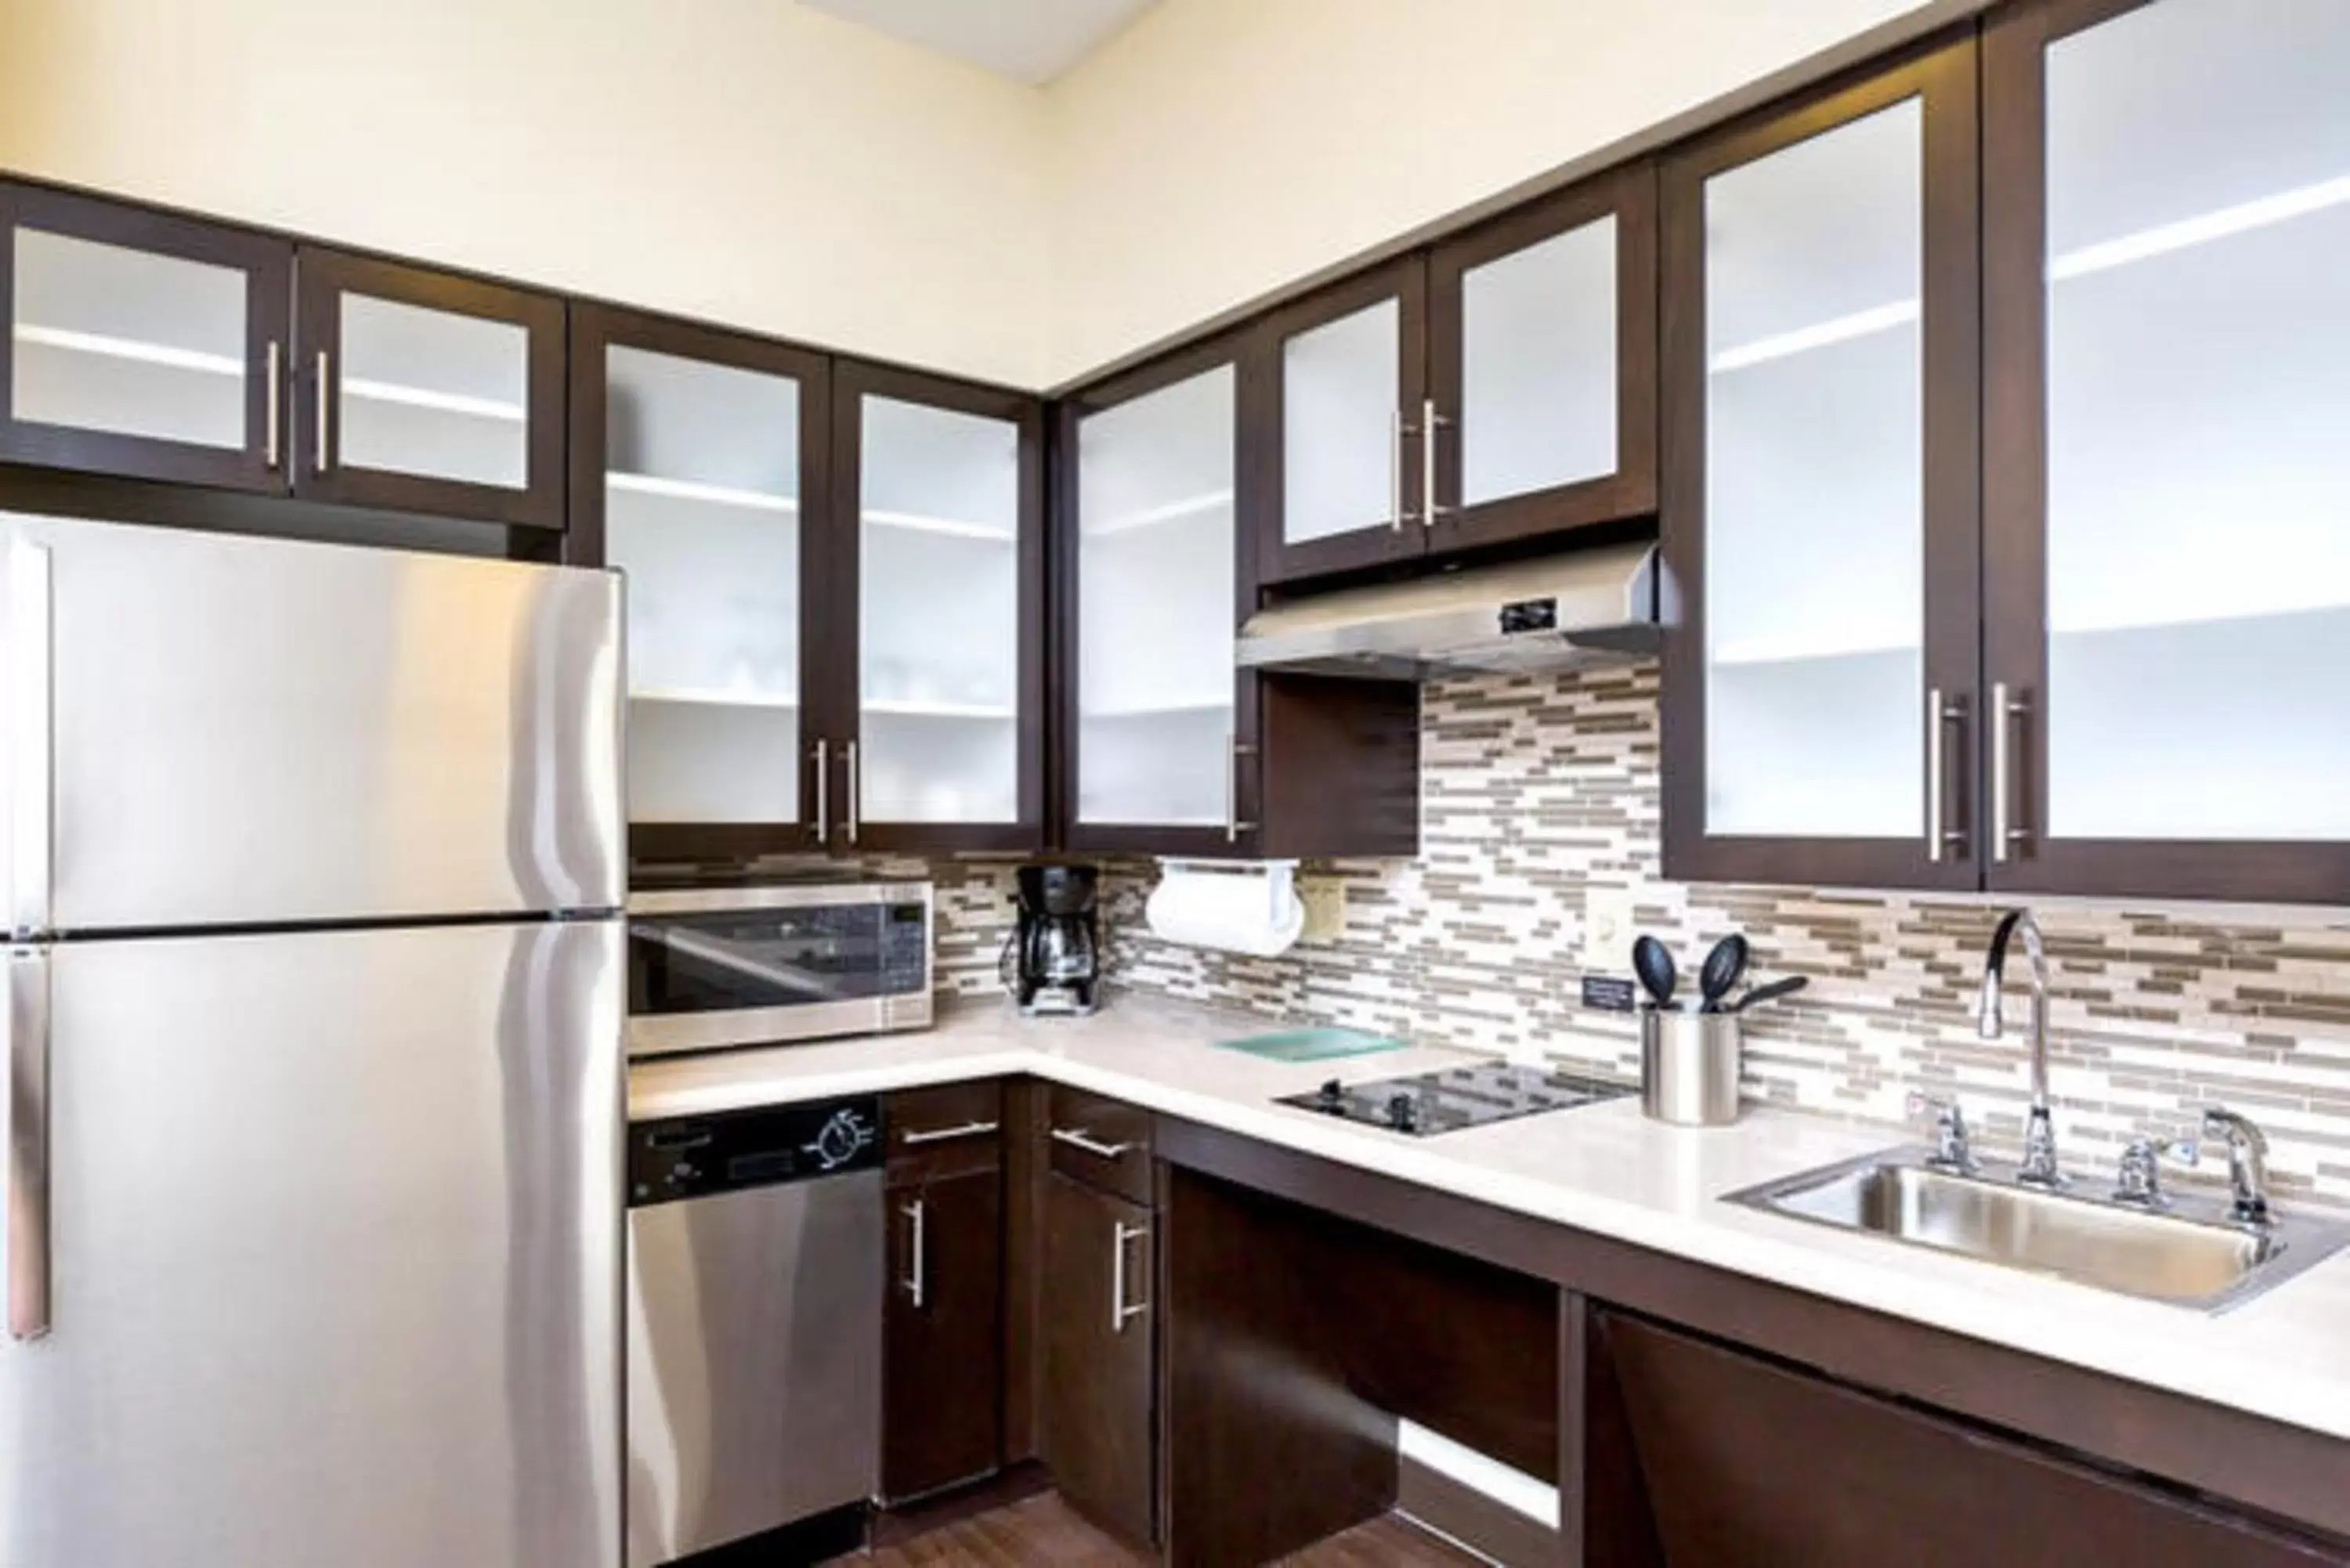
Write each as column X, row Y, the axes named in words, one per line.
column 1312, row 1045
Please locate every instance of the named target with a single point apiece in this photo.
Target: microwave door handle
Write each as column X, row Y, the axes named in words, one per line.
column 32, row 737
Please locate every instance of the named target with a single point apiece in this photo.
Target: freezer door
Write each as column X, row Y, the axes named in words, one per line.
column 334, row 1247
column 207, row 729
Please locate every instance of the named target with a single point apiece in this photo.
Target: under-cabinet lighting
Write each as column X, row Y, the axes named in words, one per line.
column 129, row 349
column 439, row 402
column 2242, row 218
column 1843, row 329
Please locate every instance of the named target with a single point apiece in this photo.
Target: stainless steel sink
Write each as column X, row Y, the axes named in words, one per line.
column 2190, row 1253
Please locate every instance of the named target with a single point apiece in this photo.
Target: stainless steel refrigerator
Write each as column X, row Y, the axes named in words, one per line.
column 311, row 1235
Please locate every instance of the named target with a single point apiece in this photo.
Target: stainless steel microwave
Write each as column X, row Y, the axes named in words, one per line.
column 712, row 968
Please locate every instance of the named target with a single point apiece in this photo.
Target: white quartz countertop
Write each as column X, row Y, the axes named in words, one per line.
column 1603, row 1168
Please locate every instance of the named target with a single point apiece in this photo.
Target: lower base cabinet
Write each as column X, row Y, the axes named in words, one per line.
column 1746, row 1461
column 1097, row 1404
column 942, row 1358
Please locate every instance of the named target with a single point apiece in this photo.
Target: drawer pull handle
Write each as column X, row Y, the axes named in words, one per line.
column 1075, row 1138
column 948, row 1134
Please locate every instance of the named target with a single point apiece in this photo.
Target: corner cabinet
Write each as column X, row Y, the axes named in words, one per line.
column 2167, row 550
column 1499, row 387
column 1166, row 746
column 1820, row 509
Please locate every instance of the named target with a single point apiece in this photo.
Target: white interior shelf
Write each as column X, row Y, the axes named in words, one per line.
column 923, row 523
column 1153, row 516
column 1154, row 710
column 439, row 402
column 2165, row 238
column 1802, row 648
column 894, row 709
column 1821, row 334
column 714, row 696
column 692, row 489
column 112, row 347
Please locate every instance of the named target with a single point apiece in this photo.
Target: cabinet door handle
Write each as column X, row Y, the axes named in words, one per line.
column 324, row 451
column 947, row 1135
column 1429, row 421
column 916, row 1280
column 849, row 805
column 272, row 398
column 1396, row 513
column 25, row 1060
column 1233, row 825
column 1943, row 841
column 1121, row 1313
column 2005, row 710
column 823, row 791
column 1075, row 1138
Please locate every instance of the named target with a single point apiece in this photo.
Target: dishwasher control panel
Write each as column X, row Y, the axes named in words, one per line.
column 695, row 1156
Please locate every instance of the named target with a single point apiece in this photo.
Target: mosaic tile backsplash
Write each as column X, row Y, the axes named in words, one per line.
column 1537, row 790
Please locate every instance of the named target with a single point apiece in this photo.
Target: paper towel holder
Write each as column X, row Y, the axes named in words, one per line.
column 1282, row 913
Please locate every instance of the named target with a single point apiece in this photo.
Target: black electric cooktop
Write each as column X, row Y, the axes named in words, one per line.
column 1430, row 1103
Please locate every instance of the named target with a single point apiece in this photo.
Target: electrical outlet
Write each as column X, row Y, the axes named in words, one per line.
column 1325, row 898
column 1607, row 929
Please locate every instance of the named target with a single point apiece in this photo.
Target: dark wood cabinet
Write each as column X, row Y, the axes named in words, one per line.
column 1501, row 386
column 701, row 466
column 1162, row 748
column 416, row 390
column 1098, row 1404
column 936, row 614
column 943, row 1342
column 1820, row 503
column 1746, row 1461
column 143, row 345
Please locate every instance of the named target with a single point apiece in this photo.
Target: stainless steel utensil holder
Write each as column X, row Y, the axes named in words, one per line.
column 1688, row 1066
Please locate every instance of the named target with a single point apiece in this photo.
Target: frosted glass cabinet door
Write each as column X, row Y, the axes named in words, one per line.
column 2169, row 226
column 1818, row 515
column 945, row 749
column 1350, row 368
column 702, row 442
column 428, row 393
column 142, row 345
column 1542, row 365
column 1155, row 718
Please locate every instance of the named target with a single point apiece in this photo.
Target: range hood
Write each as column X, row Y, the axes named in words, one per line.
column 1557, row 612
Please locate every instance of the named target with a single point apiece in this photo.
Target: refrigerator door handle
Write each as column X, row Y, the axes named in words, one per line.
column 32, row 736
column 28, row 1182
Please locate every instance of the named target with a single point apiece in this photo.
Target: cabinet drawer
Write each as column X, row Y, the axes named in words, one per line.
column 1102, row 1143
column 933, row 1133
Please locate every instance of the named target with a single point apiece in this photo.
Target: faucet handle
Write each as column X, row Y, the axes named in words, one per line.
column 1953, row 1146
column 2138, row 1179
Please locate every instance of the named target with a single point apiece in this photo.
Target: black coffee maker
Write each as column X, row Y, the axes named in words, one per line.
column 1053, row 963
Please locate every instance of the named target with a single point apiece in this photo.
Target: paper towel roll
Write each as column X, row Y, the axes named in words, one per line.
column 1243, row 906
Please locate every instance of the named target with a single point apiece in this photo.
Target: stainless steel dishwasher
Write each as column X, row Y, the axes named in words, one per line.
column 756, row 1261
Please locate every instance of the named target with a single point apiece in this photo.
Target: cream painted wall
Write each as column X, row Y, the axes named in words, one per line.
column 1220, row 149
column 749, row 160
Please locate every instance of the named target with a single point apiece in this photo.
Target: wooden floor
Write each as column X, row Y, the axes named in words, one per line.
column 1042, row 1532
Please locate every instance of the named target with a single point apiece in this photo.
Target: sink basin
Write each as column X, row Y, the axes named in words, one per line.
column 2191, row 1255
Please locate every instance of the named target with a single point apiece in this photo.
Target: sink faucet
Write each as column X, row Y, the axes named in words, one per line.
column 2040, row 1167
column 2248, row 1161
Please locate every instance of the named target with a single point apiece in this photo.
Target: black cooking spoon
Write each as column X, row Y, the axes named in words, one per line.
column 1654, row 965
column 1720, row 971
column 1771, row 992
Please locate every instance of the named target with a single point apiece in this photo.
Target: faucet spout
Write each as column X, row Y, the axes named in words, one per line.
column 2040, row 1165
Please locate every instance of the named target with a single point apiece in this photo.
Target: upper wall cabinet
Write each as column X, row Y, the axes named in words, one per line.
column 141, row 344
column 936, row 614
column 699, row 468
column 1820, row 507
column 2168, row 526
column 1501, row 386
column 417, row 391
column 1168, row 748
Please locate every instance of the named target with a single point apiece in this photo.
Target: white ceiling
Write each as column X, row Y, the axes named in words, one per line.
column 1028, row 40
